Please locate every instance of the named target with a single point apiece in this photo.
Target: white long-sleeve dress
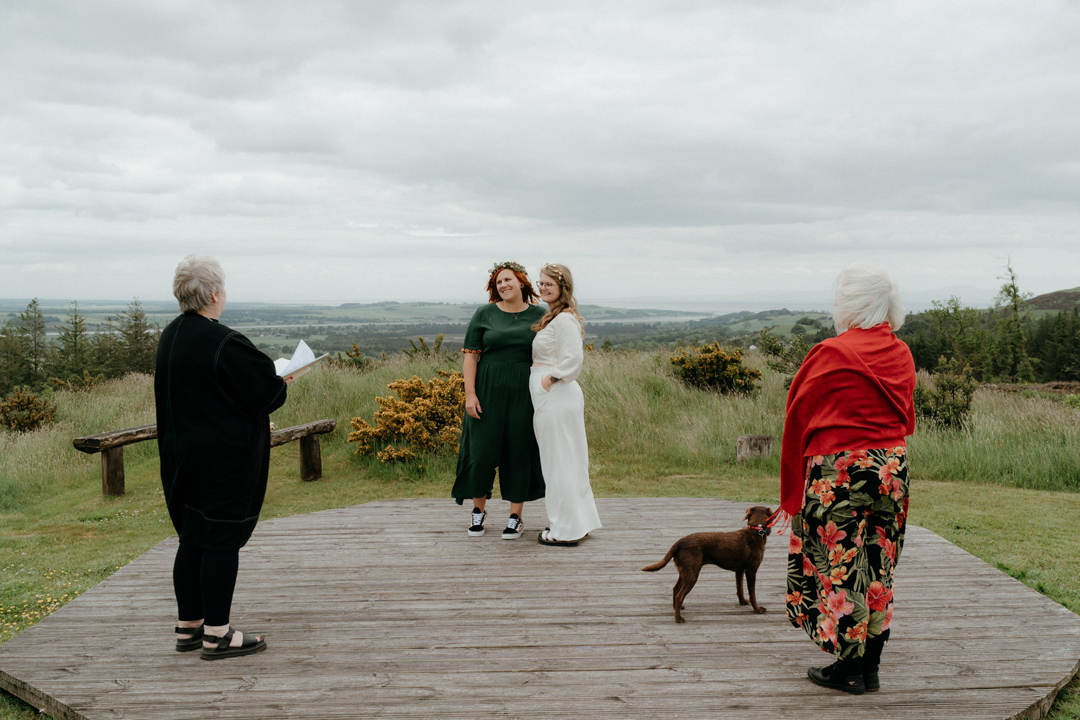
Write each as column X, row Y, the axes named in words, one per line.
column 559, row 424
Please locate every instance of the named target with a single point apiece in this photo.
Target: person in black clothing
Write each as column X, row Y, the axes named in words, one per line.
column 214, row 392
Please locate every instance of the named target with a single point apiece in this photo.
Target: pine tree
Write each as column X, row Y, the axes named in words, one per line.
column 37, row 352
column 1070, row 350
column 138, row 339
column 74, row 354
column 958, row 332
column 106, row 351
column 1054, row 344
column 12, row 361
column 1013, row 362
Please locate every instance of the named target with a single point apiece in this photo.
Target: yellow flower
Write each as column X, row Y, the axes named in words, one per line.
column 423, row 417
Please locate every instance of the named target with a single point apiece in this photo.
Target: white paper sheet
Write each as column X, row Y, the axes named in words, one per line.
column 303, row 359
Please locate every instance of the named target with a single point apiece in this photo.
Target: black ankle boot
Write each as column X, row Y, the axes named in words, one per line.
column 872, row 659
column 844, row 675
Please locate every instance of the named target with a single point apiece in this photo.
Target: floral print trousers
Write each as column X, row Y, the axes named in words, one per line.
column 844, row 547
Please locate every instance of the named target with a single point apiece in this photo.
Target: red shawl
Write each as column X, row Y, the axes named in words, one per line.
column 853, row 391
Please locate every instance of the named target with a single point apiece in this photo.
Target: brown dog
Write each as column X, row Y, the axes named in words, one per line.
column 740, row 551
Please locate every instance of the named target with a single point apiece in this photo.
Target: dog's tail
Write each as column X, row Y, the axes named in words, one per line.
column 662, row 563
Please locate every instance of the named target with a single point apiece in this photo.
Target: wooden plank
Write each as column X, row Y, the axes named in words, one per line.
column 114, row 438
column 287, row 435
column 118, row 438
column 389, row 610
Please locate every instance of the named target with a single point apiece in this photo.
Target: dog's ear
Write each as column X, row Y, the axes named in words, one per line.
column 747, row 515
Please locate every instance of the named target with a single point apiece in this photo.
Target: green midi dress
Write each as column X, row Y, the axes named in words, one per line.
column 503, row 436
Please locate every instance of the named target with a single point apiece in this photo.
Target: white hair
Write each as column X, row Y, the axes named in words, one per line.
column 866, row 295
column 197, row 278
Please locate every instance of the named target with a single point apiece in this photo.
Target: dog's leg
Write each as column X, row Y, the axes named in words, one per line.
column 751, row 578
column 738, row 586
column 676, row 599
column 687, row 578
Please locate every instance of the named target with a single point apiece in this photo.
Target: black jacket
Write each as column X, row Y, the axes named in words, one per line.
column 214, row 393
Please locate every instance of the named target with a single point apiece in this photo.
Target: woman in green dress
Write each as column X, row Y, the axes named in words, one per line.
column 497, row 431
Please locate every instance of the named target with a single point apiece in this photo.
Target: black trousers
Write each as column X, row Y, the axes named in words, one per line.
column 203, row 581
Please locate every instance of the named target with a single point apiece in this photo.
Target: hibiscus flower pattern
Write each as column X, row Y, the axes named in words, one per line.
column 845, row 545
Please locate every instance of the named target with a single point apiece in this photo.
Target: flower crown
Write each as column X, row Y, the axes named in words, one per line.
column 508, row 265
column 552, row 271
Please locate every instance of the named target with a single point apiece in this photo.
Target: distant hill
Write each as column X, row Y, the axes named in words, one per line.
column 1057, row 300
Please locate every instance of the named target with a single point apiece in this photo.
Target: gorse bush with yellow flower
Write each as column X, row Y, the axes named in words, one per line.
column 75, row 383
column 352, row 360
column 711, row 367
column 424, row 418
column 24, row 411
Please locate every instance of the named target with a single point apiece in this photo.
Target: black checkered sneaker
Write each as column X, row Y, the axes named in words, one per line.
column 477, row 527
column 514, row 528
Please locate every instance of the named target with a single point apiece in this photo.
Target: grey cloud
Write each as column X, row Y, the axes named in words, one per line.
column 448, row 128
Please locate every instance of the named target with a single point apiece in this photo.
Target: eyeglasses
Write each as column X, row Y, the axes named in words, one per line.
column 546, row 285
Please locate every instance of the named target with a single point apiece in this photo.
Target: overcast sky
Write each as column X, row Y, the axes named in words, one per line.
column 361, row 151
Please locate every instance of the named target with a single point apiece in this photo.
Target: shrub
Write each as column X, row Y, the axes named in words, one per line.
column 420, row 350
column 24, row 411
column 784, row 358
column 1073, row 401
column 423, row 418
column 78, row 384
column 944, row 398
column 352, row 360
column 390, row 454
column 712, row 367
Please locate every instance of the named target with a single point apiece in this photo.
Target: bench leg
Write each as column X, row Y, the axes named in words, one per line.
column 112, row 471
column 310, row 458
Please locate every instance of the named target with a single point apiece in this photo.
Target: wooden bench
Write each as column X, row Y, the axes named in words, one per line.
column 111, row 446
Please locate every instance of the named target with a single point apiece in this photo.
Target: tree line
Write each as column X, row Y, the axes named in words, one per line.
column 124, row 344
column 1002, row 344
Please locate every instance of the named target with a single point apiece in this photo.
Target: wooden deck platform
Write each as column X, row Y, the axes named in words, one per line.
column 388, row 610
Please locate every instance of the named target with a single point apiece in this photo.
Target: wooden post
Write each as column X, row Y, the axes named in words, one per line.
column 748, row 447
column 310, row 458
column 112, row 471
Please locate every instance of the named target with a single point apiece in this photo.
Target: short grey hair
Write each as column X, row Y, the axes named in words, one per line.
column 197, row 278
column 866, row 295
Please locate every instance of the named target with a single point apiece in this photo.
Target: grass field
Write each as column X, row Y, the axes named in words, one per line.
column 1005, row 489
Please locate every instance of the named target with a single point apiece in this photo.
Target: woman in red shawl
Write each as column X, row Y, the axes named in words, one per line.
column 843, row 472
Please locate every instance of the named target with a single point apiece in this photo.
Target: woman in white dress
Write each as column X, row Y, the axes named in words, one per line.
column 559, row 411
